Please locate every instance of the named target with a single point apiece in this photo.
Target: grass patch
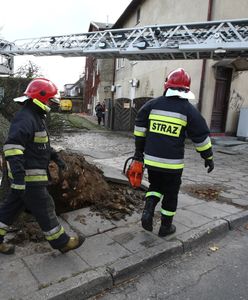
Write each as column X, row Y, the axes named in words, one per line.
column 61, row 122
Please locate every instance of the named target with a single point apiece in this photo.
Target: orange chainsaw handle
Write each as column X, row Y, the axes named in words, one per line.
column 125, row 164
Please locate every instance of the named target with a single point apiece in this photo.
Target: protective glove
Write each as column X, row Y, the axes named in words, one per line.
column 61, row 164
column 139, row 156
column 209, row 163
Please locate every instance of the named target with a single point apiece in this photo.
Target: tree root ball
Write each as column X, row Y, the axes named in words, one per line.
column 82, row 184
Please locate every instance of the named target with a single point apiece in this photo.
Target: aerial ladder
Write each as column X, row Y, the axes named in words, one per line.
column 202, row 40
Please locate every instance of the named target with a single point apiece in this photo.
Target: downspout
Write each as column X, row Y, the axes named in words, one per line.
column 203, row 72
column 112, row 97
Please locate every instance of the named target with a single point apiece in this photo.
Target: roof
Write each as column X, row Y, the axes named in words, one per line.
column 99, row 26
column 127, row 12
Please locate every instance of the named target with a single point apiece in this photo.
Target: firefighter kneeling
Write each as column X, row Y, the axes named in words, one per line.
column 161, row 127
column 27, row 151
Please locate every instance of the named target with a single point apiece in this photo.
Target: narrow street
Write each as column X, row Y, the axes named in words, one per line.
column 216, row 271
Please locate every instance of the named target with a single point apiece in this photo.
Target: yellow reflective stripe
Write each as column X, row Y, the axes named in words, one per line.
column 41, row 105
column 168, row 119
column 163, row 165
column 10, row 175
column 56, row 235
column 156, row 194
column 167, row 212
column 18, row 186
column 2, row 232
column 210, row 158
column 139, row 133
column 39, row 139
column 205, row 147
column 13, row 152
column 35, row 178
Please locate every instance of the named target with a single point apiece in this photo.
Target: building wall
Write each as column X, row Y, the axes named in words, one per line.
column 151, row 74
column 106, row 69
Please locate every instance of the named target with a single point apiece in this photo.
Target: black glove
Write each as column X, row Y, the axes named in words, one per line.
column 139, row 156
column 61, row 164
column 210, row 164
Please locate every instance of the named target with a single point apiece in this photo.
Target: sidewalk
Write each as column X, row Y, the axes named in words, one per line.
column 118, row 250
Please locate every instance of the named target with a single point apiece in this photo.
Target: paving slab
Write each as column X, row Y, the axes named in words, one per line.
column 190, row 219
column 208, row 210
column 231, row 209
column 16, row 279
column 100, row 250
column 54, row 267
column 134, row 239
column 87, row 222
column 185, row 200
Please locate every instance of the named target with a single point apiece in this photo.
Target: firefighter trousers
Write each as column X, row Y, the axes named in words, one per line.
column 164, row 186
column 39, row 202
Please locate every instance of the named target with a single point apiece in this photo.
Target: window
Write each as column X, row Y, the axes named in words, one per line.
column 120, row 63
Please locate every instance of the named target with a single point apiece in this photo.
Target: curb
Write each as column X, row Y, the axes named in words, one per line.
column 80, row 287
column 95, row 281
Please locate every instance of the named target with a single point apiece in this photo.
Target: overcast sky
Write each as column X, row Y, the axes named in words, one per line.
column 29, row 18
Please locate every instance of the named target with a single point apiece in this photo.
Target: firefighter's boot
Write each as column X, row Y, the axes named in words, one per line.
column 73, row 243
column 166, row 227
column 6, row 248
column 148, row 213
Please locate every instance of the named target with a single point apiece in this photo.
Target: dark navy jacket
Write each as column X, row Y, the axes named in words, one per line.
column 27, row 148
column 162, row 125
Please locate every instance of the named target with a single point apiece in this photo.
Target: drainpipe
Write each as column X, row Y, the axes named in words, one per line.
column 112, row 98
column 203, row 72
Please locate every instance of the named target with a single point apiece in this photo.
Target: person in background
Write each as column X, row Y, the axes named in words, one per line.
column 28, row 152
column 103, row 112
column 99, row 112
column 161, row 126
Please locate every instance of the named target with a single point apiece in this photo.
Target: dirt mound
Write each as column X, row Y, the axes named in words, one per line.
column 83, row 184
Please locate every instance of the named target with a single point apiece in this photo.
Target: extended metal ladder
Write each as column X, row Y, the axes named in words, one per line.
column 213, row 40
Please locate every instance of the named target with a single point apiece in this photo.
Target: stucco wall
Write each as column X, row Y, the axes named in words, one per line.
column 238, row 99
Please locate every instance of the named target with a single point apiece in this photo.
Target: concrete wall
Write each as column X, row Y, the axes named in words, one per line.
column 151, row 74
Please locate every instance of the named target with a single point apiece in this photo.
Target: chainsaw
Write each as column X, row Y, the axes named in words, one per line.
column 134, row 169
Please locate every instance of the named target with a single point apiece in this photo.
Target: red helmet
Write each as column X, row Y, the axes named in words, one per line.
column 41, row 89
column 178, row 79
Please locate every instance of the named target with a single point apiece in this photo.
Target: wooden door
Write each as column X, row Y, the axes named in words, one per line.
column 221, row 97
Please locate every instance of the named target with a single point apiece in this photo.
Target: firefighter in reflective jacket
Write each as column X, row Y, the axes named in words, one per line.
column 27, row 151
column 161, row 127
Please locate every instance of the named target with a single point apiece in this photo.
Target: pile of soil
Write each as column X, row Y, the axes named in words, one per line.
column 203, row 191
column 83, row 184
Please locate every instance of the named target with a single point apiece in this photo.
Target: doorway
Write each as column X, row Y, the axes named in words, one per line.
column 221, row 99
